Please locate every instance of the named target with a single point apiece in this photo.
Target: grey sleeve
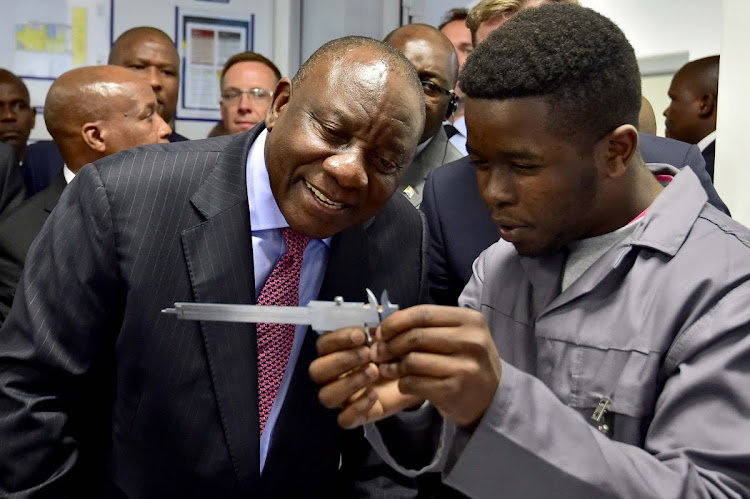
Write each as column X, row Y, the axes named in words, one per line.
column 529, row 444
column 61, row 324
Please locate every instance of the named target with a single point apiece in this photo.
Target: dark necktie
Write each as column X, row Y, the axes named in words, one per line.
column 275, row 340
column 450, row 130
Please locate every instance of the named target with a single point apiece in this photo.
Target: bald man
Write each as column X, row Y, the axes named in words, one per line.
column 151, row 53
column 691, row 114
column 91, row 112
column 646, row 118
column 433, row 56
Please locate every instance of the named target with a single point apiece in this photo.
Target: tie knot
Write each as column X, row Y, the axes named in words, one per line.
column 295, row 242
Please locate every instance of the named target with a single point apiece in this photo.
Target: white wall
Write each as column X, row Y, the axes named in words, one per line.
column 656, row 27
column 732, row 175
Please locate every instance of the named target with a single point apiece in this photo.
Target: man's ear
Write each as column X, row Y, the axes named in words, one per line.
column 93, row 136
column 622, row 144
column 707, row 106
column 280, row 100
column 33, row 117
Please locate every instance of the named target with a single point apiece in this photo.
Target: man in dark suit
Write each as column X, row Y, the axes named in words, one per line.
column 91, row 112
column 691, row 114
column 461, row 227
column 102, row 394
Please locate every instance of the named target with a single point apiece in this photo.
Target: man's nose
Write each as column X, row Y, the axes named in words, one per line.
column 348, row 168
column 7, row 113
column 164, row 129
column 245, row 103
column 499, row 188
column 152, row 74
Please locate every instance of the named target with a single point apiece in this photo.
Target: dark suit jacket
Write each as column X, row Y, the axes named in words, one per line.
column 461, row 228
column 96, row 382
column 12, row 190
column 18, row 230
column 43, row 161
column 709, row 154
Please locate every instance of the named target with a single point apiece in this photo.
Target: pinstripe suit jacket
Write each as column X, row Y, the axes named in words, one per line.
column 101, row 393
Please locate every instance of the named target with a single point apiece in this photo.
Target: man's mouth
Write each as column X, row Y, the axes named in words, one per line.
column 323, row 199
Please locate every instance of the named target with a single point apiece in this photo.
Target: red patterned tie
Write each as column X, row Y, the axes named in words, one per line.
column 275, row 340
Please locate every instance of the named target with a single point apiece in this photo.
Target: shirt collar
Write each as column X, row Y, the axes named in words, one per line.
column 672, row 214
column 706, row 141
column 264, row 211
column 69, row 175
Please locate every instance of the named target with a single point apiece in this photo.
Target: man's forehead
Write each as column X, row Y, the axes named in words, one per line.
column 147, row 46
column 14, row 87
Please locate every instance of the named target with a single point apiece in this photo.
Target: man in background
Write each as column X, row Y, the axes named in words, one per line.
column 454, row 27
column 91, row 112
column 17, row 117
column 248, row 80
column 151, row 53
column 433, row 56
column 691, row 114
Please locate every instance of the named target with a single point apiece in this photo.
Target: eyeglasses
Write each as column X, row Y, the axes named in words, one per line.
column 259, row 94
column 434, row 90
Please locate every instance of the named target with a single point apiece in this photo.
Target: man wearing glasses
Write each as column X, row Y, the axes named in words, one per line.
column 433, row 56
column 247, row 83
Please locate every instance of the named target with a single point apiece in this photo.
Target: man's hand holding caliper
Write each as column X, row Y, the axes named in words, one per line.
column 377, row 361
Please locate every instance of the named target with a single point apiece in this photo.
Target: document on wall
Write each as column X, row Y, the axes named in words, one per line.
column 206, row 42
column 45, row 38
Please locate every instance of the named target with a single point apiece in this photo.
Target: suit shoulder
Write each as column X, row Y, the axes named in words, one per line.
column 398, row 210
column 454, row 171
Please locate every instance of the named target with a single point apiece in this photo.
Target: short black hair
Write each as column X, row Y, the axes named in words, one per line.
column 250, row 56
column 457, row 14
column 336, row 48
column 577, row 59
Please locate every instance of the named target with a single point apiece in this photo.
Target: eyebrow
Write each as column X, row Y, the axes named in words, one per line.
column 512, row 154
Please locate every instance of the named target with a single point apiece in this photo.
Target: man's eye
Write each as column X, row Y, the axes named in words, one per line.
column 523, row 167
column 169, row 72
column 137, row 66
column 332, row 132
column 386, row 166
column 479, row 164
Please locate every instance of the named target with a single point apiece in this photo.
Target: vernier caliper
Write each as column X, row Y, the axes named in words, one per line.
column 323, row 316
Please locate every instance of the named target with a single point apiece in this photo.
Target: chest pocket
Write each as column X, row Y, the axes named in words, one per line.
column 624, row 377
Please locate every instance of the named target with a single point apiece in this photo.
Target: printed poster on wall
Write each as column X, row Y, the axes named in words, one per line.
column 206, row 41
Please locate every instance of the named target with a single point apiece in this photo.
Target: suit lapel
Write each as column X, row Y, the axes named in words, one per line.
column 219, row 257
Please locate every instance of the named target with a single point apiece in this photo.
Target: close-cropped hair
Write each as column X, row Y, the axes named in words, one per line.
column 250, row 57
column 579, row 61
column 457, row 14
column 334, row 49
